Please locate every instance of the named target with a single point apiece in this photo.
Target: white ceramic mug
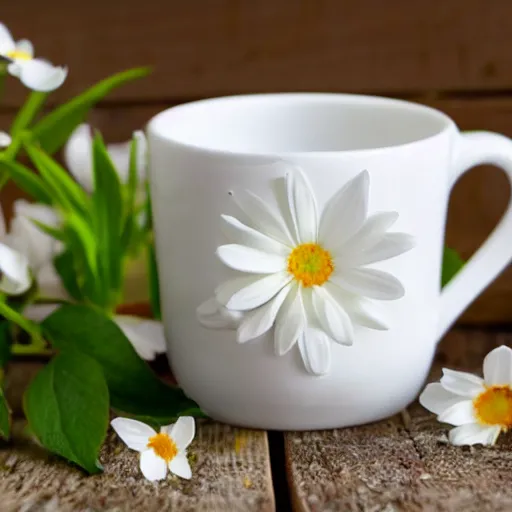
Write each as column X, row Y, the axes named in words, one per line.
column 334, row 313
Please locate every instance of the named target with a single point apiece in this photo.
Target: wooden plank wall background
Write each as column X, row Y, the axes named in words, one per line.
column 455, row 55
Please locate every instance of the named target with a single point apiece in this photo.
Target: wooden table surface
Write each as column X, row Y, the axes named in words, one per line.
column 401, row 464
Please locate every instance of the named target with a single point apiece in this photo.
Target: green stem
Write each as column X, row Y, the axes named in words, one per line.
column 30, row 350
column 24, row 323
column 23, row 119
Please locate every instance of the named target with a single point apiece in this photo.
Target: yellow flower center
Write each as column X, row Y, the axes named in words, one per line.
column 163, row 446
column 494, row 406
column 19, row 55
column 310, row 264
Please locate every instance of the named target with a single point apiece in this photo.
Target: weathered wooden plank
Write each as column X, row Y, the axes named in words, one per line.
column 405, row 463
column 203, row 48
column 231, row 472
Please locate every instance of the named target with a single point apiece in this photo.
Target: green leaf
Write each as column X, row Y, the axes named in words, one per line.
column 452, row 263
column 108, row 207
column 54, row 129
column 130, row 216
column 154, row 284
column 81, row 237
column 67, row 408
column 66, row 192
column 5, row 417
column 65, row 266
column 133, row 387
column 27, row 180
column 28, row 111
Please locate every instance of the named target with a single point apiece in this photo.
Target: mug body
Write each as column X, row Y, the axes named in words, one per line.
column 203, row 153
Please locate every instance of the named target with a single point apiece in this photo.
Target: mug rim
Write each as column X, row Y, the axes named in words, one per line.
column 446, row 122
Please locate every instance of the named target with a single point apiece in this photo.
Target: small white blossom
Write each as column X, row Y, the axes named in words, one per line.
column 36, row 74
column 480, row 409
column 160, row 451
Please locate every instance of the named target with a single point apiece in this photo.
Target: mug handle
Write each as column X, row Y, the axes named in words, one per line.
column 476, row 148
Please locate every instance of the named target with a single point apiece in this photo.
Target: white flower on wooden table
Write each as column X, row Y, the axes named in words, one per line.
column 34, row 73
column 78, row 157
column 479, row 408
column 160, row 451
column 307, row 275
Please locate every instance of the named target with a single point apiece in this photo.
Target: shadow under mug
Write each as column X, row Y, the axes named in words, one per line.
column 205, row 155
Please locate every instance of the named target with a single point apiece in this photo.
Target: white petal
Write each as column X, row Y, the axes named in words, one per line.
column 5, row 140
column 182, row 432
column 213, row 315
column 146, row 336
column 498, row 366
column 437, row 399
column 25, row 46
column 461, row 383
column 390, row 245
column 15, row 274
column 474, row 434
column 120, row 156
column 7, row 43
column 245, row 293
column 153, row 467
column 78, row 156
column 38, row 312
column 370, row 233
column 37, row 211
column 302, row 204
column 290, row 322
column 372, row 283
column 460, row 413
column 260, row 320
column 40, row 75
column 346, row 212
column 180, row 466
column 245, row 259
column 332, row 317
column 315, row 349
column 134, row 434
column 50, row 284
column 27, row 238
column 366, row 313
column 262, row 217
column 14, row 69
column 239, row 233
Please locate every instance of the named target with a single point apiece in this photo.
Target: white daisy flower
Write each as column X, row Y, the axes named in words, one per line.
column 307, row 275
column 36, row 74
column 78, row 157
column 5, row 140
column 159, row 451
column 480, row 409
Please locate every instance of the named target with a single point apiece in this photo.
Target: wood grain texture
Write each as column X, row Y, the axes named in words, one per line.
column 212, row 47
column 405, row 463
column 231, row 472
